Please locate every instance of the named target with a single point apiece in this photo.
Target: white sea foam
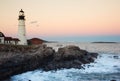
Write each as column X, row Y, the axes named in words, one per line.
column 104, row 64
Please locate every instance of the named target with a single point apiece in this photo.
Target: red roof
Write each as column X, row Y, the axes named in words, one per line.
column 11, row 39
column 8, row 38
column 16, row 39
column 35, row 41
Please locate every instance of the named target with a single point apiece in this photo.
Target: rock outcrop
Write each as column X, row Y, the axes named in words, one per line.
column 70, row 57
column 19, row 59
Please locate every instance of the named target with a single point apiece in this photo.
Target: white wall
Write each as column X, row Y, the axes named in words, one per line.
column 22, row 32
column 2, row 40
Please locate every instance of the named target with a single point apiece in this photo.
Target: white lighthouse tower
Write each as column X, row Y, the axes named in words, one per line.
column 21, row 28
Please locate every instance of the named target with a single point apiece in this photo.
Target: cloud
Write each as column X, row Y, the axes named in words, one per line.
column 33, row 22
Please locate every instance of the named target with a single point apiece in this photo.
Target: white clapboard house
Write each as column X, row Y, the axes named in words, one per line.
column 8, row 40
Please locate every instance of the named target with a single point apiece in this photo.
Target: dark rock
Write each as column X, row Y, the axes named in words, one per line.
column 19, row 59
column 70, row 57
column 70, row 52
column 116, row 57
column 112, row 80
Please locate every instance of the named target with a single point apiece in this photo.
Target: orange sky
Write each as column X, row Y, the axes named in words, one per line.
column 61, row 17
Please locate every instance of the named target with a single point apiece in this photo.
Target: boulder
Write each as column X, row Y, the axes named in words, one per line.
column 70, row 52
column 70, row 57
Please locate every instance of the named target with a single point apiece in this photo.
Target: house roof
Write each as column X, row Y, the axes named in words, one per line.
column 1, row 34
column 8, row 38
column 15, row 39
column 11, row 39
column 37, row 39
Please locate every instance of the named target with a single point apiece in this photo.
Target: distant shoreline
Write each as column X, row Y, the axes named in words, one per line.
column 104, row 42
column 77, row 42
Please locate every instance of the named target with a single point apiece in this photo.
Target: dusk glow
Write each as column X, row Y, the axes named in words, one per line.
column 46, row 18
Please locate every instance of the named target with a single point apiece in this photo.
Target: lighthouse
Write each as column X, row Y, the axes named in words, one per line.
column 21, row 28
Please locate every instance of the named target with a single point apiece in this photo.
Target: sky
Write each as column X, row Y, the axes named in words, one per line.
column 57, row 18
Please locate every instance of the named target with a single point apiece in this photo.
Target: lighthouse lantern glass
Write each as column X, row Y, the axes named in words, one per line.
column 21, row 13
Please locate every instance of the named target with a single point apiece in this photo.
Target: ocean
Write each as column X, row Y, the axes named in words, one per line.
column 95, row 38
column 105, row 68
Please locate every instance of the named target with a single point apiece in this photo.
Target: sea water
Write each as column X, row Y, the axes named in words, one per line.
column 105, row 68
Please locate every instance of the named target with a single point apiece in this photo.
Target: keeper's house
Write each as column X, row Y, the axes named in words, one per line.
column 8, row 40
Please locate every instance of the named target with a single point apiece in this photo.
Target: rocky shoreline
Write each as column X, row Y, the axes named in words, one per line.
column 18, row 59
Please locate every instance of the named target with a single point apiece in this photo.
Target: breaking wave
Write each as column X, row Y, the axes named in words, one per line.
column 105, row 68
